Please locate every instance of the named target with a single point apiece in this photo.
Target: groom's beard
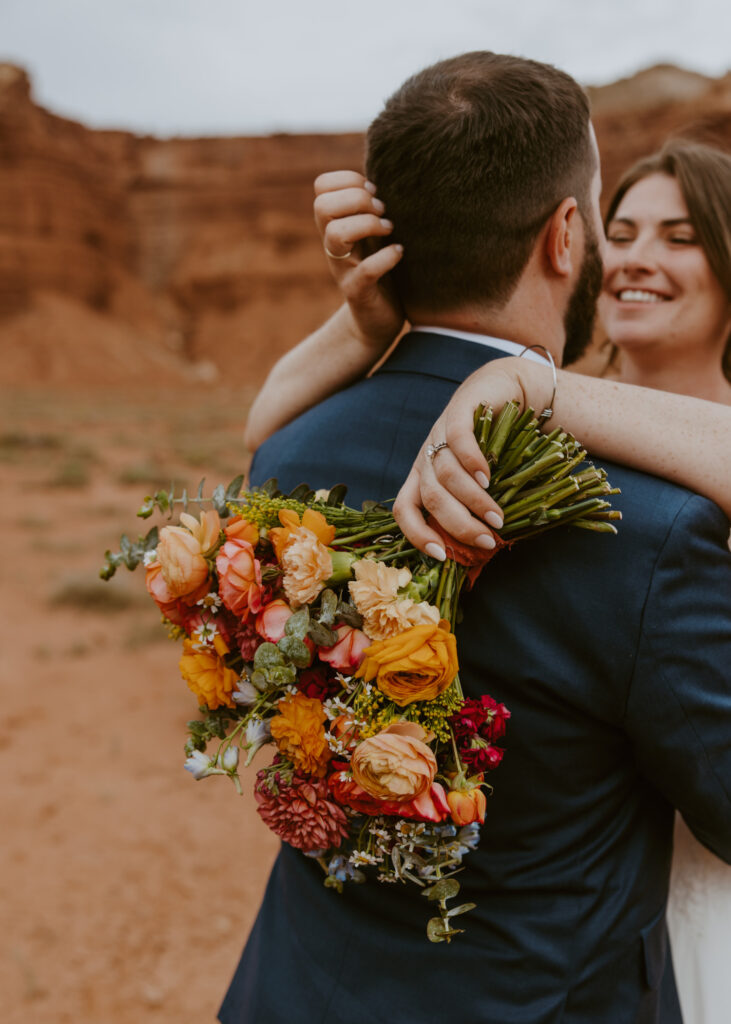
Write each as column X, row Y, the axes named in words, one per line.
column 581, row 310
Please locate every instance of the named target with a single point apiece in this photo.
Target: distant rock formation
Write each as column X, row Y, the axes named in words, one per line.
column 127, row 258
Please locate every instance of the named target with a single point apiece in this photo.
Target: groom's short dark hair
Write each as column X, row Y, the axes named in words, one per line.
column 471, row 156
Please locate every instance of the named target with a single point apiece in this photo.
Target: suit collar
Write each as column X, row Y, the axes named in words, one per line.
column 439, row 355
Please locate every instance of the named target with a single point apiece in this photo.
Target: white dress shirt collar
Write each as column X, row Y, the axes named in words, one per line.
column 510, row 347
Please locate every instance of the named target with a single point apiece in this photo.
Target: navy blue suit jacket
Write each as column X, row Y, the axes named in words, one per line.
column 614, row 656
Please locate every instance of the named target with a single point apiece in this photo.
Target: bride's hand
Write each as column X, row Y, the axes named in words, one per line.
column 348, row 216
column 452, row 484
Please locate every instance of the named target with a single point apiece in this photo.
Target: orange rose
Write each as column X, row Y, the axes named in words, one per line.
column 207, row 676
column 395, row 764
column 418, row 664
column 239, row 578
column 184, row 568
column 171, row 607
column 313, row 521
column 272, row 619
column 467, row 805
column 242, row 529
column 300, row 735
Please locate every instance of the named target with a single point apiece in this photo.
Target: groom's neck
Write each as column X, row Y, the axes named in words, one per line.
column 527, row 327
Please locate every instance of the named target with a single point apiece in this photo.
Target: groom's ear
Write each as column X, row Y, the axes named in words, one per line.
column 562, row 240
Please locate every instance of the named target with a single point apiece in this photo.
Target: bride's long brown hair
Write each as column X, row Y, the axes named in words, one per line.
column 703, row 174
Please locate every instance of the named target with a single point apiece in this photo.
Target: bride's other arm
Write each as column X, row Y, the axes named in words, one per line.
column 348, row 345
column 683, row 439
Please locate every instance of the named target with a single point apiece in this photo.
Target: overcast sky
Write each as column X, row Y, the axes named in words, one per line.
column 256, row 66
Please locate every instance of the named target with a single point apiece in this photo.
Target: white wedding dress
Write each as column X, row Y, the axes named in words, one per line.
column 699, row 919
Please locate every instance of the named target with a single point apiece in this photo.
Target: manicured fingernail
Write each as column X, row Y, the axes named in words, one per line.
column 370, row 187
column 485, row 540
column 399, row 248
column 377, row 205
column 494, row 519
column 386, row 223
column 438, row 552
column 482, row 479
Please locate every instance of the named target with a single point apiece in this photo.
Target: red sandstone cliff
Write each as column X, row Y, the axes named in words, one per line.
column 126, row 258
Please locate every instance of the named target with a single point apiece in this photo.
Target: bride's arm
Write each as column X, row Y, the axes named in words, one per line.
column 683, row 439
column 352, row 341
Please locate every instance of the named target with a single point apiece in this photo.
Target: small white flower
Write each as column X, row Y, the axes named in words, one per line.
column 149, row 557
column 359, row 857
column 200, row 765
column 230, row 758
column 211, row 601
column 381, row 877
column 334, row 707
column 204, row 634
column 258, row 733
column 245, row 693
column 379, row 833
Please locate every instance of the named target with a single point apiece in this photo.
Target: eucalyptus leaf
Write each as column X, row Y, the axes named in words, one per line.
column 445, row 889
column 437, row 930
column 281, row 675
column 328, row 607
column 268, row 656
column 321, row 636
column 349, row 614
column 234, row 488
column 337, row 494
column 461, row 909
column 218, row 499
column 295, row 650
column 303, row 493
column 298, row 624
column 259, row 680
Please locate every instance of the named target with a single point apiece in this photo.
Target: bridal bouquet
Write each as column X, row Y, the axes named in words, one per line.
column 316, row 630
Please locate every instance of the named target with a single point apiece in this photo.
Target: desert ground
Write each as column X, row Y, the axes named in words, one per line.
column 129, row 888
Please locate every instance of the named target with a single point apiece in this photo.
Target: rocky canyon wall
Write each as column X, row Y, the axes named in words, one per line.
column 126, row 258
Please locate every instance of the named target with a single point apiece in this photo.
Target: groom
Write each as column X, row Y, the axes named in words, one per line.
column 612, row 653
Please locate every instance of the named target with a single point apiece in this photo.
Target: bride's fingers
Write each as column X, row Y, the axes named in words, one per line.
column 345, row 203
column 408, row 515
column 331, row 181
column 446, row 473
column 452, row 513
column 369, row 272
column 341, row 236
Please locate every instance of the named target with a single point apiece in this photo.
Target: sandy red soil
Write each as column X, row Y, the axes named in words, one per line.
column 128, row 888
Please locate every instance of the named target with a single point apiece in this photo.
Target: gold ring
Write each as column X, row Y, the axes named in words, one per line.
column 334, row 257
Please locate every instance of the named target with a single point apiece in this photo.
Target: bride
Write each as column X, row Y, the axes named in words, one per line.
column 666, row 306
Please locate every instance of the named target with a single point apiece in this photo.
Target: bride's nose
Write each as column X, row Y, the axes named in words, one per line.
column 639, row 256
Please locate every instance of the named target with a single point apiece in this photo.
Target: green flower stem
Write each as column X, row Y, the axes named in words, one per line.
column 383, row 528
column 402, row 552
column 501, row 431
column 512, row 483
column 541, row 497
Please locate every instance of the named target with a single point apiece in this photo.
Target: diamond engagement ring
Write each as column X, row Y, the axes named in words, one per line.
column 432, row 449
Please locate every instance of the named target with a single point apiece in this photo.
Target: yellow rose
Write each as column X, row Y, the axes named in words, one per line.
column 395, row 764
column 418, row 664
column 207, row 676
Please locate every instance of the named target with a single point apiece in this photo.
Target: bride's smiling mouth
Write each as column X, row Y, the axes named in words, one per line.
column 640, row 295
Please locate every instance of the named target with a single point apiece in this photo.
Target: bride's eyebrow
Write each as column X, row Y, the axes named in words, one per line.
column 675, row 221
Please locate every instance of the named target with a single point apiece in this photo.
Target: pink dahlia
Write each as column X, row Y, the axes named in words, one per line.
column 302, row 814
